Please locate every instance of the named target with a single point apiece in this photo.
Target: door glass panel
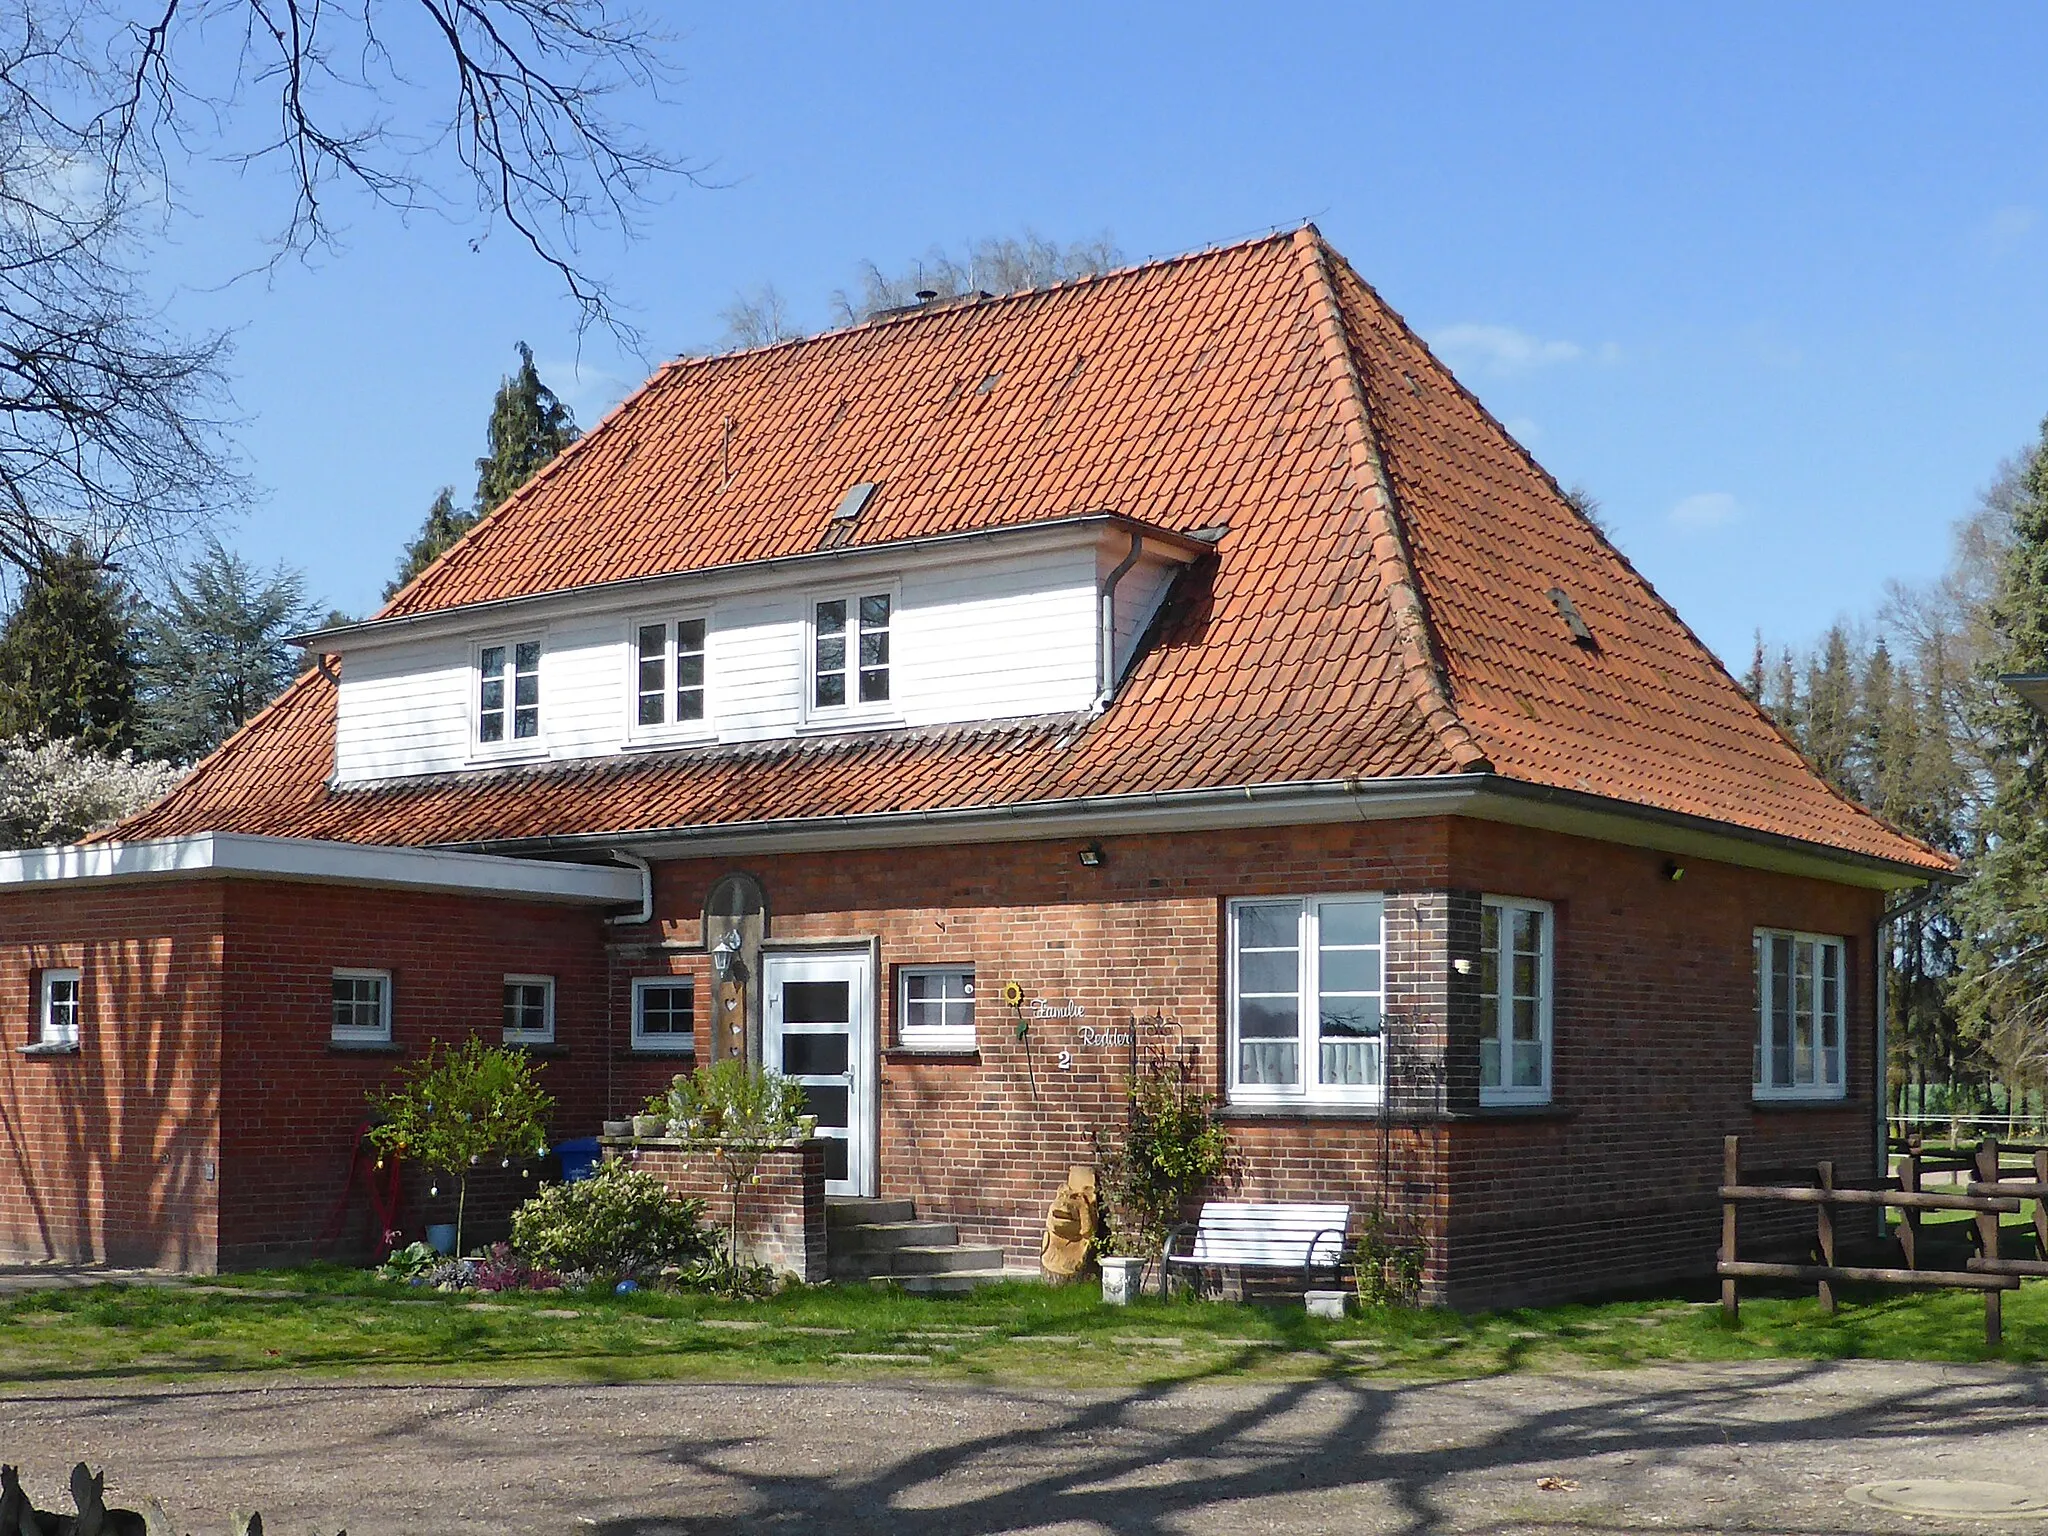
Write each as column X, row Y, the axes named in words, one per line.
column 815, row 1002
column 814, row 1055
column 835, row 1156
column 827, row 1102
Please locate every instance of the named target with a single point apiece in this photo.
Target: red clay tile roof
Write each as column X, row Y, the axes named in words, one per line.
column 1379, row 607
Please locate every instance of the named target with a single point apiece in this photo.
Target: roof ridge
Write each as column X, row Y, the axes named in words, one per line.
column 1614, row 550
column 1403, row 594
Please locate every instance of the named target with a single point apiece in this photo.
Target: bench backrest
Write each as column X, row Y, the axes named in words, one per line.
column 1273, row 1236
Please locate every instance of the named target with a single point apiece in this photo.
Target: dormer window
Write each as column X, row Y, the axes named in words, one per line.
column 668, row 674
column 850, row 651
column 508, row 693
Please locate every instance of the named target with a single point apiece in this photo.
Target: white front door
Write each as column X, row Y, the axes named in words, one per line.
column 818, row 1027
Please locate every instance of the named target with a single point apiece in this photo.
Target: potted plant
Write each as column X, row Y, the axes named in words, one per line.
column 453, row 1109
column 1168, row 1150
column 746, row 1113
column 652, row 1121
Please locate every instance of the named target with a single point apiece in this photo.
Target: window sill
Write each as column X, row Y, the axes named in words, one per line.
column 846, row 725
column 1511, row 1112
column 672, row 742
column 1795, row 1101
column 526, row 752
column 364, row 1048
column 546, row 1048
column 1307, row 1112
column 655, row 1053
column 942, row 1056
column 50, row 1048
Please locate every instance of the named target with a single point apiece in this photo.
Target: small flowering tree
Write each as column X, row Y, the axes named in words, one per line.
column 58, row 791
column 452, row 1109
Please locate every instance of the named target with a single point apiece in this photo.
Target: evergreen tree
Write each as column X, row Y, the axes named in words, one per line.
column 67, row 660
column 1832, row 714
column 444, row 525
column 214, row 652
column 1753, row 683
column 2002, row 993
column 529, row 426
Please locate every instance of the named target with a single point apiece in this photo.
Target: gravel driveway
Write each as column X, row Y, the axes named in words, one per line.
column 1699, row 1448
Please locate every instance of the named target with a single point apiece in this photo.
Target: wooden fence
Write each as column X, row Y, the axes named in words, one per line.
column 1986, row 1197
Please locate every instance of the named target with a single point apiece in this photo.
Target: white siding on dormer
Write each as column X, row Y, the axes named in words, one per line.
column 972, row 639
column 1138, row 597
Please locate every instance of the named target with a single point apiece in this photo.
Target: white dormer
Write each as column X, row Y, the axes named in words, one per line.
column 999, row 624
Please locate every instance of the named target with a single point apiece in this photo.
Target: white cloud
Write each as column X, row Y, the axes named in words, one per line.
column 1502, row 348
column 1705, row 510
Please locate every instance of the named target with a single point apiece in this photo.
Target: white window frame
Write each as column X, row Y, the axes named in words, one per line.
column 664, row 1042
column 545, row 1035
column 49, row 1034
column 380, row 1033
column 511, row 745
column 1502, row 1030
column 670, row 729
column 1306, row 1090
column 933, row 1037
column 1818, row 1091
column 853, row 709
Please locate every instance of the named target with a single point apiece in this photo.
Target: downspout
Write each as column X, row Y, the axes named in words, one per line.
column 645, row 914
column 1105, row 608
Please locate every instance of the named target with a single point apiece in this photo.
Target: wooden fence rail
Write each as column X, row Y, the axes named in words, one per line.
column 1986, row 1197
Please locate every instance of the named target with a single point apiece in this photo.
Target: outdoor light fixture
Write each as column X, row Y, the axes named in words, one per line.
column 1673, row 871
column 1091, row 856
column 725, row 957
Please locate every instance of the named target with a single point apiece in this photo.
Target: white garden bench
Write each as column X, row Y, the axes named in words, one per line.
column 1243, row 1235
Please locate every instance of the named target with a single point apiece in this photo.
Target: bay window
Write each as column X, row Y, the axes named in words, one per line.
column 1306, row 991
column 1801, row 1008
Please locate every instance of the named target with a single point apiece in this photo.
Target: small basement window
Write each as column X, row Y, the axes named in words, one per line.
column 530, row 1010
column 935, row 1007
column 665, row 1014
column 57, row 1010
column 362, row 1007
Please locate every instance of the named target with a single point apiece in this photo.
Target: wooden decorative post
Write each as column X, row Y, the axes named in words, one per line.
column 1824, row 1227
column 1987, row 1239
column 1731, row 1174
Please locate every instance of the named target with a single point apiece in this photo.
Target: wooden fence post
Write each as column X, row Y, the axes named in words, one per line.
column 1987, row 1239
column 1824, row 1227
column 2041, row 1205
column 1731, row 1173
column 1909, row 1218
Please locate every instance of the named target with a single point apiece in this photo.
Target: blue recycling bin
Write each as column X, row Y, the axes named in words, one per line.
column 579, row 1158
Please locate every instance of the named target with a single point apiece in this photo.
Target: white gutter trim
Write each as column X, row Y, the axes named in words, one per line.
column 235, row 854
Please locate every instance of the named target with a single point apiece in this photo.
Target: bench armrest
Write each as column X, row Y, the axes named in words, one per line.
column 1173, row 1235
column 1308, row 1264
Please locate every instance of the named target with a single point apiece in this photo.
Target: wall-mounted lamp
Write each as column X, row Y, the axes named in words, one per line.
column 1091, row 856
column 1462, row 966
column 725, row 957
column 1673, row 870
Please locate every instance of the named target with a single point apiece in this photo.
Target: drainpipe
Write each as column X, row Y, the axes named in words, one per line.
column 646, row 912
column 1105, row 607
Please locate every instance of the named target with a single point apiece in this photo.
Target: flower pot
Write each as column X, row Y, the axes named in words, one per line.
column 1328, row 1304
column 441, row 1237
column 650, row 1127
column 1121, row 1278
column 618, row 1127
column 806, row 1126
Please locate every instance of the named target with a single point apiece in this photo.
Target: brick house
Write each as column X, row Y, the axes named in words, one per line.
column 1184, row 645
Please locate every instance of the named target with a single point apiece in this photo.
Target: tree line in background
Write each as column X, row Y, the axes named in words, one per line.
column 1905, row 712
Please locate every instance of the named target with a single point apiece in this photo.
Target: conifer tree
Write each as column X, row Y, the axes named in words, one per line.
column 67, row 659
column 2002, row 993
column 444, row 525
column 529, row 426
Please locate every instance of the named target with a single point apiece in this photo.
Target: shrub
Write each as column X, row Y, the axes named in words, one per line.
column 1171, row 1148
column 618, row 1221
column 743, row 1112
column 1389, row 1263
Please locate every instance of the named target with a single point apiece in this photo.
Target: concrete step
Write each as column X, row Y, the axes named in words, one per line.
column 853, row 1213
column 878, row 1236
column 940, row 1260
column 951, row 1280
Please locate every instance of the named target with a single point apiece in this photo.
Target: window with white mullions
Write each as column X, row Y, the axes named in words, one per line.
column 362, row 1006
column 508, row 692
column 1307, row 993
column 669, row 673
column 935, row 1007
column 57, row 1017
column 1801, row 982
column 1514, row 999
column 530, row 1009
column 850, row 651
column 665, row 1014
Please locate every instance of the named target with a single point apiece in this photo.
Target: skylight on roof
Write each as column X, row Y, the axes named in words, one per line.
column 854, row 500
column 1568, row 611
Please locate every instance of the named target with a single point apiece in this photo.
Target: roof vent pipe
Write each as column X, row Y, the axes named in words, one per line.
column 1105, row 605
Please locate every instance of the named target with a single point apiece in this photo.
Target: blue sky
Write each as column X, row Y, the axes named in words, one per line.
column 1767, row 280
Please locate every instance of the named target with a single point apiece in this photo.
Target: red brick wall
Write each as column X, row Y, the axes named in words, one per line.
column 292, row 1101
column 1653, row 1010
column 782, row 1213
column 112, row 1154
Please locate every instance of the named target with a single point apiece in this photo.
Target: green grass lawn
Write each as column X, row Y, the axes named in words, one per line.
column 326, row 1320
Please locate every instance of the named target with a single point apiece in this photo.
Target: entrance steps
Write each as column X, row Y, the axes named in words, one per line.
column 883, row 1241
